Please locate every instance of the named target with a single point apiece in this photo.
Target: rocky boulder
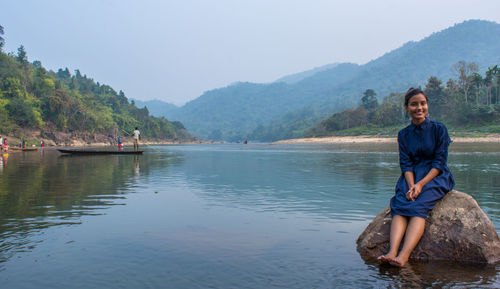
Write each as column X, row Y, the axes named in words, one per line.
column 456, row 230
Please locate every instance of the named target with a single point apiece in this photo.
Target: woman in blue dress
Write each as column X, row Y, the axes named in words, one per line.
column 425, row 177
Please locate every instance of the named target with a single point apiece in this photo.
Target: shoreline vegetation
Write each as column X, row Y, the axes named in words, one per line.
column 65, row 108
column 490, row 138
column 33, row 138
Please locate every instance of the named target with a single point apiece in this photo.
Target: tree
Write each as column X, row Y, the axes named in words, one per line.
column 464, row 72
column 476, row 83
column 2, row 40
column 21, row 55
column 492, row 81
column 63, row 74
column 369, row 99
column 435, row 93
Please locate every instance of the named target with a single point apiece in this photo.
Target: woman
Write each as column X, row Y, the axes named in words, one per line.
column 425, row 178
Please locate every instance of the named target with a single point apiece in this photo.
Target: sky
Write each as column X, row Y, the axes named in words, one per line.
column 176, row 50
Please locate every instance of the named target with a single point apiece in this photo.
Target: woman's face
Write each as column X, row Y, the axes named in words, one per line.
column 417, row 108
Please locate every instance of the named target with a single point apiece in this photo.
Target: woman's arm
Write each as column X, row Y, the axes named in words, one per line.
column 416, row 189
column 410, row 179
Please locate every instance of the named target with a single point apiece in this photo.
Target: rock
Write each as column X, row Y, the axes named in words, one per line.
column 456, row 230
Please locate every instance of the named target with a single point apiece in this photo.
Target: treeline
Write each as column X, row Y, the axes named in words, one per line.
column 471, row 100
column 32, row 97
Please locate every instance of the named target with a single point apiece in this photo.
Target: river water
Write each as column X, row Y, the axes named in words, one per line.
column 219, row 216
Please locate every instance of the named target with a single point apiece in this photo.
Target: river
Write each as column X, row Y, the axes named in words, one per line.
column 219, row 216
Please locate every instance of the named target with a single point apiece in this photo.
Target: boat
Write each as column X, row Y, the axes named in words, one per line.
column 98, row 152
column 23, row 149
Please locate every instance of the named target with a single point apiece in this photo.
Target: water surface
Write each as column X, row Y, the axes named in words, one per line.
column 223, row 216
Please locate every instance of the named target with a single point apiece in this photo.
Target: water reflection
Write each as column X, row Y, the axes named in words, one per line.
column 438, row 275
column 3, row 160
column 46, row 189
column 340, row 182
column 220, row 216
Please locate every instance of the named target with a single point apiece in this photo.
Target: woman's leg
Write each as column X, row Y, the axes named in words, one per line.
column 414, row 232
column 398, row 229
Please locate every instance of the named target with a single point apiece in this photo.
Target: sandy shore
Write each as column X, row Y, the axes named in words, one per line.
column 372, row 139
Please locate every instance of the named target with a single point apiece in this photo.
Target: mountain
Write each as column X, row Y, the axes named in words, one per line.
column 296, row 77
column 156, row 107
column 288, row 108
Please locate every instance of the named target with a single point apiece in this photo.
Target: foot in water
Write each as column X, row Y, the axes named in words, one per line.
column 385, row 259
column 398, row 261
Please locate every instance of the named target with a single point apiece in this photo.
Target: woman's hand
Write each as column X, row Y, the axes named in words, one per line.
column 414, row 192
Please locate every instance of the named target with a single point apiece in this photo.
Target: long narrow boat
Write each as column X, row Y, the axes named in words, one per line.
column 23, row 149
column 98, row 152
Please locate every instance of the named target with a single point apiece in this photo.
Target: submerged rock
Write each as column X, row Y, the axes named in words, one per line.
column 456, row 230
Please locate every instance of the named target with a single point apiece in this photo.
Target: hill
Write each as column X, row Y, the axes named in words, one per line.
column 281, row 110
column 156, row 107
column 296, row 77
column 34, row 99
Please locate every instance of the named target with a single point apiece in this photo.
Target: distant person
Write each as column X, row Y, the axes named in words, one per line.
column 1, row 143
column 42, row 143
column 425, row 177
column 120, row 144
column 5, row 145
column 137, row 136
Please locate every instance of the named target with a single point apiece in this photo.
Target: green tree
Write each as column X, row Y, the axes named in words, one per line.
column 22, row 56
column 491, row 80
column 369, row 99
column 476, row 85
column 22, row 113
column 2, row 40
column 63, row 74
column 464, row 72
column 436, row 95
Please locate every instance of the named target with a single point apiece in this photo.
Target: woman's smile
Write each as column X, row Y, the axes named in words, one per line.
column 417, row 108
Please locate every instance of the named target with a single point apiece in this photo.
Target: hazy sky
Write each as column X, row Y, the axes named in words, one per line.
column 176, row 50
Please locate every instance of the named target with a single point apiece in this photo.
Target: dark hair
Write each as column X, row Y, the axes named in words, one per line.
column 412, row 92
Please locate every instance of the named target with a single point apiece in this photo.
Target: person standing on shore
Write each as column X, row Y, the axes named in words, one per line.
column 120, row 144
column 5, row 145
column 137, row 136
column 425, row 177
column 1, row 143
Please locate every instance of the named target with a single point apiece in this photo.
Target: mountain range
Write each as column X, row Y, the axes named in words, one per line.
column 292, row 104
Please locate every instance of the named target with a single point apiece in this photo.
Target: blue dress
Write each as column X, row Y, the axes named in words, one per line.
column 421, row 148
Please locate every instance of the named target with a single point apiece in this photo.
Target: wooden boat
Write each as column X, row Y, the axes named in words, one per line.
column 23, row 149
column 98, row 152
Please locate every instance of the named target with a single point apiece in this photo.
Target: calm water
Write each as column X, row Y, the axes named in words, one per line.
column 218, row 216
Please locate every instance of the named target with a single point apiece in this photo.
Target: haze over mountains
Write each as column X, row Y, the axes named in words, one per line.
column 289, row 106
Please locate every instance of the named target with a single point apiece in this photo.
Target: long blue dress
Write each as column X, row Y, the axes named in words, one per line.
column 421, row 148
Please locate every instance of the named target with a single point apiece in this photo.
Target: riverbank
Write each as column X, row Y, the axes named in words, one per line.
column 494, row 138
column 51, row 139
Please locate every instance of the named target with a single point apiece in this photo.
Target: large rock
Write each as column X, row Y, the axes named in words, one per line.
column 456, row 230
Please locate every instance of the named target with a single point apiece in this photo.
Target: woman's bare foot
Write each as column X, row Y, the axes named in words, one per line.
column 386, row 258
column 398, row 261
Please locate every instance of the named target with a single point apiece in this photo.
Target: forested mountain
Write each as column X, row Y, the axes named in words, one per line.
column 233, row 112
column 156, row 107
column 470, row 100
column 282, row 110
column 33, row 98
column 296, row 77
